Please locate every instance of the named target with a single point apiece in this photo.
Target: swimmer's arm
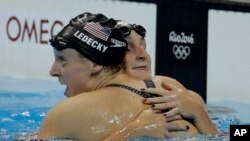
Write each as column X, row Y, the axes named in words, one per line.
column 201, row 117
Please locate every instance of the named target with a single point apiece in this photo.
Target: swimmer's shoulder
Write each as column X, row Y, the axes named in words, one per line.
column 164, row 78
column 168, row 80
column 54, row 126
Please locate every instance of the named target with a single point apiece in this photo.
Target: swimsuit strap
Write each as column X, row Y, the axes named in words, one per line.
column 149, row 84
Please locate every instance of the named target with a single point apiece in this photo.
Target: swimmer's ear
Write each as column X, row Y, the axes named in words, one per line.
column 95, row 68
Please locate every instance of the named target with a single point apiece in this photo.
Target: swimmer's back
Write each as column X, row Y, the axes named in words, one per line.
column 98, row 114
column 148, row 118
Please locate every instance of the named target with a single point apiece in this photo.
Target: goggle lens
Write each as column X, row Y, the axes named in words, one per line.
column 126, row 30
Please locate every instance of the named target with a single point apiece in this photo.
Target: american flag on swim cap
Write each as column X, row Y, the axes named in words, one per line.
column 97, row 30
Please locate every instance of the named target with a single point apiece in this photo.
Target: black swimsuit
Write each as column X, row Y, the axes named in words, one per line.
column 149, row 84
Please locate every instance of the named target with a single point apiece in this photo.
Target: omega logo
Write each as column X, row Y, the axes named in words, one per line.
column 17, row 29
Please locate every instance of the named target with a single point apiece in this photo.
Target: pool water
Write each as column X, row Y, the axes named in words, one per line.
column 22, row 112
column 19, row 120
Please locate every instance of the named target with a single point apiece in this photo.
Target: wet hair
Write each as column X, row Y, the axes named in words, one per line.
column 95, row 37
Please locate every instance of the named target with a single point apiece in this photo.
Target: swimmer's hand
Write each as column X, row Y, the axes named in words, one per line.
column 177, row 103
column 174, row 102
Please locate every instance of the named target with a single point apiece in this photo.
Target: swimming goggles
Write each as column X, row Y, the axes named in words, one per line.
column 126, row 29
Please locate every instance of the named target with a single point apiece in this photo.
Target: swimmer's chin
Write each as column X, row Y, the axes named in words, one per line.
column 66, row 92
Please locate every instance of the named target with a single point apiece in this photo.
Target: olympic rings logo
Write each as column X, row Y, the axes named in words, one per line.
column 181, row 52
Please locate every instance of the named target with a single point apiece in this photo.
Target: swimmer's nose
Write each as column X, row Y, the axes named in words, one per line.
column 142, row 54
column 53, row 71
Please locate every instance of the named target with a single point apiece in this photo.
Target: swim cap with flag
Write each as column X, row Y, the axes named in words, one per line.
column 93, row 36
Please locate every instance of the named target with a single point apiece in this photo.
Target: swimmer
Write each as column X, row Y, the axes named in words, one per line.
column 102, row 98
column 179, row 102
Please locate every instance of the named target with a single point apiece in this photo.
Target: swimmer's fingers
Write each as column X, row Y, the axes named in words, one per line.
column 173, row 112
column 165, row 106
column 171, row 87
column 173, row 118
column 174, row 127
column 157, row 111
column 163, row 100
column 160, row 92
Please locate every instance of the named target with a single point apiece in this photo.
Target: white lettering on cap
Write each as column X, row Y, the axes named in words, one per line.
column 117, row 43
column 90, row 41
